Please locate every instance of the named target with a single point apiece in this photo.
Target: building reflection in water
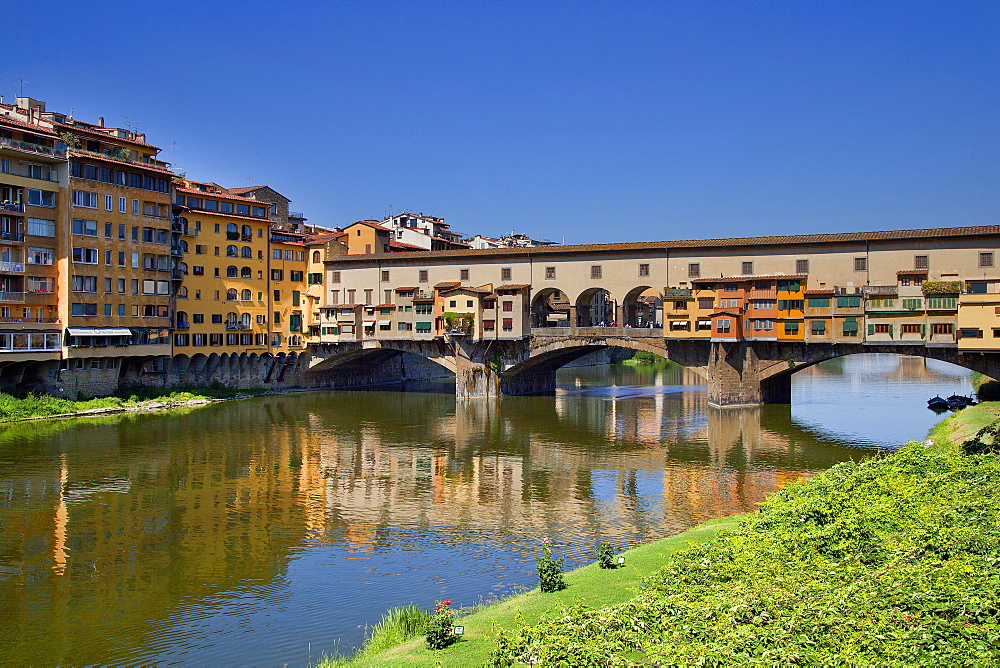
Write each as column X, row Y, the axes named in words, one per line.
column 109, row 527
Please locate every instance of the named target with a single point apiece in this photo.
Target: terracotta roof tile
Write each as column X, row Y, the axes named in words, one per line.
column 820, row 291
column 739, row 279
column 910, row 272
column 385, row 305
column 448, row 284
column 98, row 132
column 25, row 124
column 341, row 306
column 514, row 286
column 407, row 287
column 118, row 161
column 693, row 244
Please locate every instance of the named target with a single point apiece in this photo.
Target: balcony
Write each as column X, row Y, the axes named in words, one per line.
column 237, row 326
column 16, row 207
column 45, row 321
column 677, row 292
column 12, row 267
column 32, row 148
column 7, row 296
column 880, row 289
column 176, row 251
column 11, row 236
column 183, row 325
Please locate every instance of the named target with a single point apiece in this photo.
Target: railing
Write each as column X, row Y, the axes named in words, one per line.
column 6, row 296
column 677, row 292
column 626, row 332
column 230, row 326
column 423, row 295
column 847, row 292
column 176, row 251
column 12, row 267
column 176, row 274
column 34, row 148
column 48, row 321
column 12, row 236
column 880, row 289
column 16, row 207
column 183, row 325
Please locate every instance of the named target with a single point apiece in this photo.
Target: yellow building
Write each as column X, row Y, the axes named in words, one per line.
column 366, row 237
column 287, row 283
column 223, row 302
column 979, row 316
column 33, row 199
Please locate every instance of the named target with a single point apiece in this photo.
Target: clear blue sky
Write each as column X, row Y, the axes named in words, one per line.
column 589, row 121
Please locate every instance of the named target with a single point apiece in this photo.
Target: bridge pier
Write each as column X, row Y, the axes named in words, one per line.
column 736, row 378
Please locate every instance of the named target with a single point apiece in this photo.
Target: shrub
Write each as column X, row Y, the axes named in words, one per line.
column 605, row 555
column 441, row 628
column 397, row 625
column 550, row 571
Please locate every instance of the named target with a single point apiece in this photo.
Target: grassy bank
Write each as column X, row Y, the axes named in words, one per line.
column 890, row 561
column 31, row 406
column 598, row 588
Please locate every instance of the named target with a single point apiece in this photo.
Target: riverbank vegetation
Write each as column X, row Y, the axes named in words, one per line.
column 13, row 408
column 894, row 560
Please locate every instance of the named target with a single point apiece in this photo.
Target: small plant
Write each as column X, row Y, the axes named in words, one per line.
column 605, row 555
column 550, row 571
column 441, row 628
column 70, row 140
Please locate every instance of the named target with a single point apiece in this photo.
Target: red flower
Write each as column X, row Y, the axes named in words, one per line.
column 446, row 602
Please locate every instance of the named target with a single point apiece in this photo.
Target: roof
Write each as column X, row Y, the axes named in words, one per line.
column 369, row 223
column 250, row 189
column 83, row 126
column 930, row 234
column 223, row 195
column 341, row 305
column 407, row 287
column 481, row 291
column 448, row 284
column 25, row 124
column 323, row 238
column 819, row 291
column 513, row 286
column 119, row 161
column 400, row 244
column 911, row 271
column 385, row 306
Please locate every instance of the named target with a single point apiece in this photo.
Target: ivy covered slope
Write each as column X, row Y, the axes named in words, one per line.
column 891, row 561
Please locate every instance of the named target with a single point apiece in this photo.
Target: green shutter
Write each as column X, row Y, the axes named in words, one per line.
column 891, row 328
column 923, row 331
column 871, row 330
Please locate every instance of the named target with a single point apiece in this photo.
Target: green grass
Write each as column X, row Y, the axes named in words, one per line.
column 596, row 586
column 42, row 405
column 963, row 425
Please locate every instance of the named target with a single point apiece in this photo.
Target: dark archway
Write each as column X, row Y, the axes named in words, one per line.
column 643, row 307
column 596, row 307
column 550, row 308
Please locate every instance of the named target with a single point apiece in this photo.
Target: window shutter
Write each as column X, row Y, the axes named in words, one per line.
column 871, row 330
column 923, row 331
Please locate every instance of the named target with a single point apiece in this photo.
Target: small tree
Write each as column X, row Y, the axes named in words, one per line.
column 605, row 555
column 70, row 140
column 441, row 629
column 550, row 571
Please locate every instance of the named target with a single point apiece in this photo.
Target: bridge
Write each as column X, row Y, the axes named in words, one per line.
column 745, row 314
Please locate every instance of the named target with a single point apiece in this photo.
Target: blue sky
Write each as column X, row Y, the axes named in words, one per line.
column 589, row 121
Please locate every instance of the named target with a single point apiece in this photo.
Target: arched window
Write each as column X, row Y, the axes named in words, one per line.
column 232, row 231
column 182, row 319
column 246, row 273
column 316, row 256
column 232, row 251
column 183, row 268
column 247, row 252
column 232, row 271
column 182, row 292
column 184, row 246
column 231, row 294
column 245, row 320
column 247, row 233
column 231, row 319
column 246, row 296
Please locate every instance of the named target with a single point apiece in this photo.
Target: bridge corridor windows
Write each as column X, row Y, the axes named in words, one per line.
column 596, row 308
column 643, row 307
column 550, row 308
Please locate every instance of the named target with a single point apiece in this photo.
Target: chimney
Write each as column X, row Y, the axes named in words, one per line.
column 100, row 121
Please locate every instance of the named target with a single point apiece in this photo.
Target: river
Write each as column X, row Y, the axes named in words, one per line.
column 269, row 531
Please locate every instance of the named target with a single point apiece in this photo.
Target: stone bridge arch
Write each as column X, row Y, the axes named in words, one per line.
column 372, row 363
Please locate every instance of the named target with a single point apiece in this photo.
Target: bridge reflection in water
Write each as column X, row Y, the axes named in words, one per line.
column 253, row 529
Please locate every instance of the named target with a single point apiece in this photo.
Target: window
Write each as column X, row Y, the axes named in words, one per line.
column 83, row 283
column 423, row 327
column 122, row 205
column 912, row 303
column 508, row 307
column 910, row 328
column 706, row 303
column 277, row 295
column 422, row 276
column 676, row 325
column 818, row 302
column 747, row 268
column 921, row 261
column 232, row 231
column 277, row 274
column 385, row 275
column 860, row 264
column 595, row 271
column 232, row 251
column 694, row 269
column 986, row 259
column 942, row 328
column 848, row 302
column 45, row 256
column 135, row 207
column 335, row 277
column 85, row 227
column 880, row 328
column 48, row 199
column 83, row 309
column 970, row 333
column 505, row 274
column 243, row 209
column 84, row 255
column 791, row 328
column 802, row 267
column 368, row 298
column 135, row 233
column 315, row 279
column 490, row 325
column 295, row 276
column 644, row 270
column 508, row 324
column 762, row 324
column 789, row 304
column 80, row 198
column 723, row 325
column 940, row 303
column 550, row 273
column 817, row 327
column 40, row 227
column 109, row 202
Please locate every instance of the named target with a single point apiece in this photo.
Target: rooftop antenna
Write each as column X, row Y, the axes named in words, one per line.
column 71, row 113
column 20, row 84
column 133, row 127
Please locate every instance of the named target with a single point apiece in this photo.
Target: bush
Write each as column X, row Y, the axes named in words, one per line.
column 441, row 628
column 605, row 555
column 396, row 627
column 550, row 571
column 890, row 561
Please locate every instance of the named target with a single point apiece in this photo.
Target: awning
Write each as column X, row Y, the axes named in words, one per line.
column 369, row 323
column 384, row 323
column 99, row 331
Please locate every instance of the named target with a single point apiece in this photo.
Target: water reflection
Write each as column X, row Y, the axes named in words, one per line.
column 261, row 531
